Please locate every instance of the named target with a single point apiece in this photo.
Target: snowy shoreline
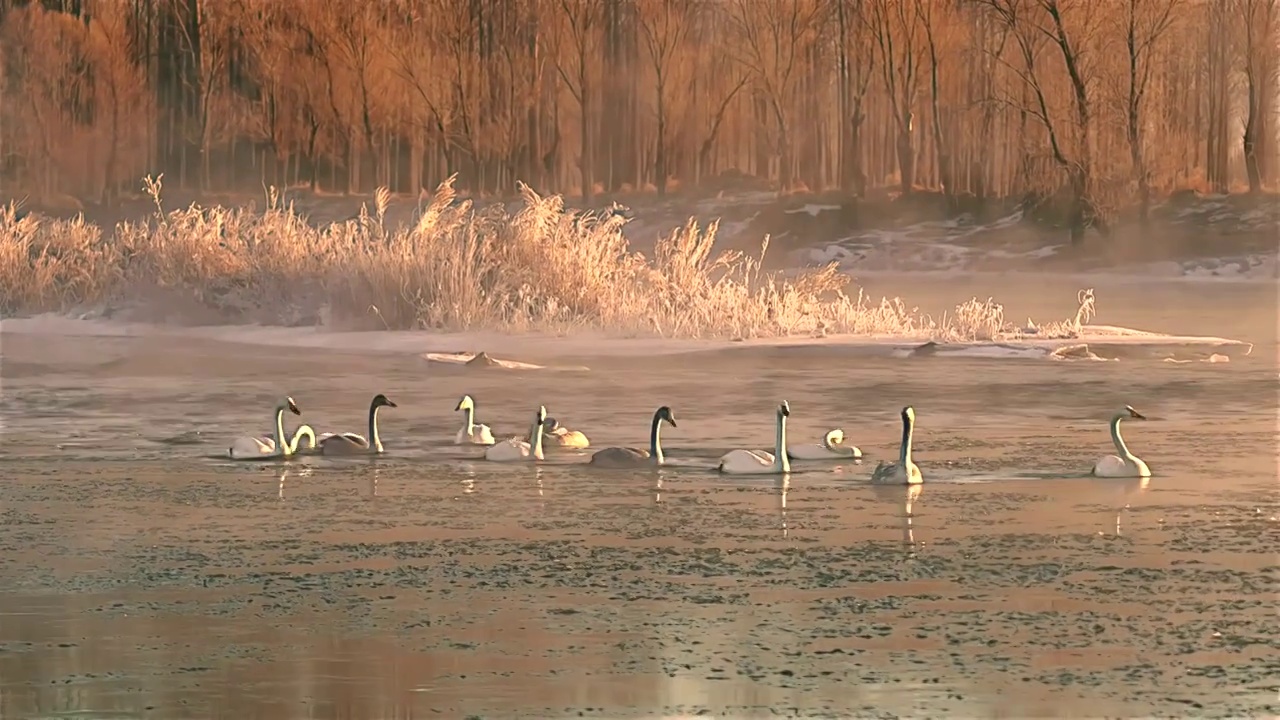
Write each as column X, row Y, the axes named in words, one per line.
column 549, row 347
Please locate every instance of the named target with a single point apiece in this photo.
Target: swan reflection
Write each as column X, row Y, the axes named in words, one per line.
column 1122, row 489
column 468, row 480
column 285, row 472
column 784, row 483
column 906, row 496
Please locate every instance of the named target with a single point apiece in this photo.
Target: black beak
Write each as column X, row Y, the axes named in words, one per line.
column 294, row 409
column 390, row 404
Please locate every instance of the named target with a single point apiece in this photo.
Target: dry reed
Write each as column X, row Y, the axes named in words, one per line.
column 541, row 268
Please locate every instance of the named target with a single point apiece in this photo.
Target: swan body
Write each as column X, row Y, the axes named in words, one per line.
column 514, row 449
column 1125, row 464
column 627, row 457
column 248, row 448
column 557, row 434
column 759, row 462
column 471, row 432
column 355, row 443
column 832, row 447
column 904, row 471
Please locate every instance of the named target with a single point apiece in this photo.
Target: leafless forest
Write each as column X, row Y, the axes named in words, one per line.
column 1104, row 103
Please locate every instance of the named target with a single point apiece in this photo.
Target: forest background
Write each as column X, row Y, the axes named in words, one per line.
column 1094, row 109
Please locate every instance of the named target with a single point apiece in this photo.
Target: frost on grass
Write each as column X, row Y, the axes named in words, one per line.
column 459, row 267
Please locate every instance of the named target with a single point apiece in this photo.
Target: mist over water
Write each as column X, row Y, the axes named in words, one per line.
column 142, row 574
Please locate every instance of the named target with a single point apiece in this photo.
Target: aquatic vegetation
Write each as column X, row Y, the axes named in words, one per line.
column 539, row 267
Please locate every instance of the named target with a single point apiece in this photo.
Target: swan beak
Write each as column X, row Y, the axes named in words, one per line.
column 672, row 421
column 1137, row 415
column 390, row 404
column 293, row 408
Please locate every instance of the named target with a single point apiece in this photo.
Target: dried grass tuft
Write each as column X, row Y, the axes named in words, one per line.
column 458, row 267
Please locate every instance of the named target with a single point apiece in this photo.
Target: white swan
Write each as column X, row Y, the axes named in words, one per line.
column 514, row 449
column 472, row 432
column 1126, row 464
column 355, row 443
column 759, row 462
column 247, row 448
column 903, row 472
column 832, row 447
column 563, row 436
column 626, row 457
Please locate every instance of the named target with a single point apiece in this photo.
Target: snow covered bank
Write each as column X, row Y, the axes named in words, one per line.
column 540, row 352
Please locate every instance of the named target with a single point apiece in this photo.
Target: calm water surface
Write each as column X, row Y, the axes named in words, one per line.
column 143, row 575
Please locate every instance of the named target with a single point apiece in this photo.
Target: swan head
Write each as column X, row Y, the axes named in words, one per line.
column 466, row 403
column 293, row 407
column 908, row 414
column 835, row 437
column 664, row 413
column 784, row 410
column 1130, row 412
column 550, row 424
column 381, row 400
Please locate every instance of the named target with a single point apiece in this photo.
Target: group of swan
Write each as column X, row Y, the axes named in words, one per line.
column 546, row 429
column 347, row 443
column 904, row 471
column 543, row 428
column 474, row 433
column 760, row 462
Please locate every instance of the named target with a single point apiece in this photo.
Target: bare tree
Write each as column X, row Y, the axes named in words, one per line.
column 664, row 25
column 1144, row 25
column 1034, row 23
column 713, row 73
column 856, row 63
column 926, row 11
column 583, row 18
column 774, row 37
column 896, row 26
column 354, row 28
column 1259, row 18
column 1037, row 98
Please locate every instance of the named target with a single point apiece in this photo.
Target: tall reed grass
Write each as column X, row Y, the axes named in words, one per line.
column 541, row 268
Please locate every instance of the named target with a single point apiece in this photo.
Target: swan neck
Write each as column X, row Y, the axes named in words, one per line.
column 904, row 452
column 655, row 442
column 301, row 432
column 471, row 419
column 780, row 460
column 535, row 434
column 374, row 440
column 1118, row 440
column 280, row 438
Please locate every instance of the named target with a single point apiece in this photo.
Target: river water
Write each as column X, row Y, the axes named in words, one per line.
column 142, row 574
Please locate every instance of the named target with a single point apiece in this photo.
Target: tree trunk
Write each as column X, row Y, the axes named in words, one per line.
column 906, row 155
column 857, row 173
column 587, row 160
column 660, row 159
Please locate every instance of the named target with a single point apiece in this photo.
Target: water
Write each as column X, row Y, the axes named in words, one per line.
column 143, row 575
